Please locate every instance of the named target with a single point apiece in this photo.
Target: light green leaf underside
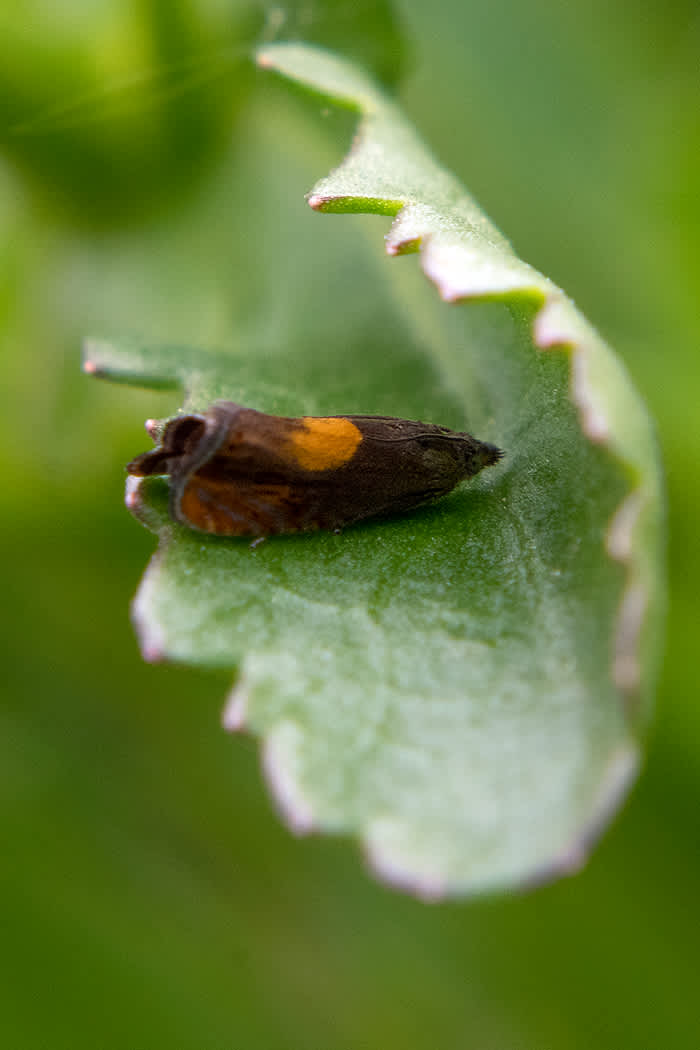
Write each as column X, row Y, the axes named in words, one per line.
column 459, row 688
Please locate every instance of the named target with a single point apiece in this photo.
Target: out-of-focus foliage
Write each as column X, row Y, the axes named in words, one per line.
column 149, row 897
column 110, row 110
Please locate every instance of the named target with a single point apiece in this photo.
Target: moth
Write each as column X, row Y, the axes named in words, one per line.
column 234, row 471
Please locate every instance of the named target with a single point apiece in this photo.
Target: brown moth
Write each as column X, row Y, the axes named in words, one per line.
column 238, row 472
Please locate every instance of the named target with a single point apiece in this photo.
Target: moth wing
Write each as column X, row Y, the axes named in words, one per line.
column 245, row 507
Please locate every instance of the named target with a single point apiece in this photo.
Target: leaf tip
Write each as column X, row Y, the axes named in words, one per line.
column 132, row 493
column 619, row 542
column 553, row 328
column 92, row 355
column 281, row 759
column 619, row 775
column 264, row 59
column 91, row 358
column 151, row 638
column 594, row 423
column 390, row 866
column 406, row 246
column 152, row 652
column 235, row 713
column 627, row 669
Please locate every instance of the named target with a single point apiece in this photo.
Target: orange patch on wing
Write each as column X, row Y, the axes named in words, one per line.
column 200, row 507
column 236, row 509
column 324, row 444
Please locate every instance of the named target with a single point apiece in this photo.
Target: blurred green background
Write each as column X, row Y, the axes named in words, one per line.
column 150, row 895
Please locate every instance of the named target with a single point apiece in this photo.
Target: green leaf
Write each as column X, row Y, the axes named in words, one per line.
column 462, row 688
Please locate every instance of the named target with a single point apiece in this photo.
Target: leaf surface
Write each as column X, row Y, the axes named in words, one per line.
column 462, row 688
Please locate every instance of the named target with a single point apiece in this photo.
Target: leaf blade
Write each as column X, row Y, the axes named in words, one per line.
column 442, row 685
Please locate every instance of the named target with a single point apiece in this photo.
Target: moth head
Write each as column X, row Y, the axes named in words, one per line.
column 180, row 439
